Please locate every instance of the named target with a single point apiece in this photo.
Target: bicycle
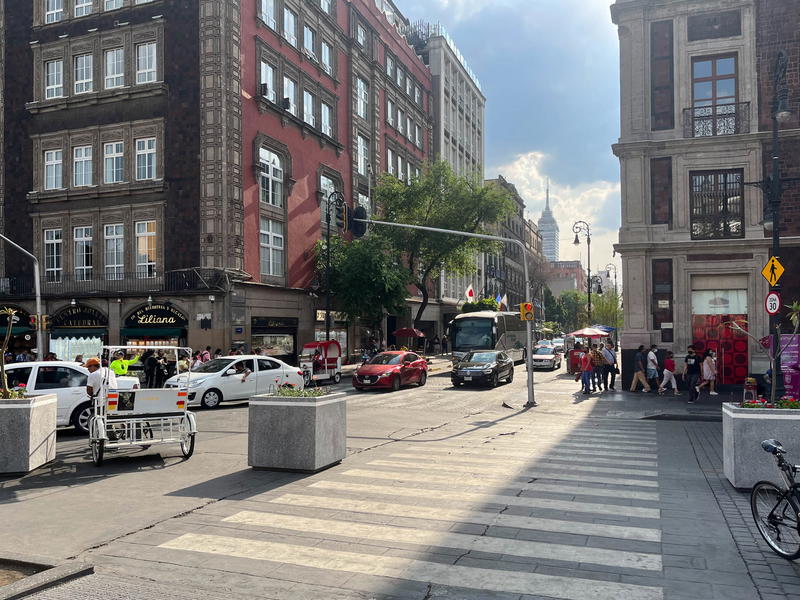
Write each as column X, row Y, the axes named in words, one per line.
column 776, row 509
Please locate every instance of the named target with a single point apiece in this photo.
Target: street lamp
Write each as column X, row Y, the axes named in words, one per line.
column 612, row 267
column 582, row 228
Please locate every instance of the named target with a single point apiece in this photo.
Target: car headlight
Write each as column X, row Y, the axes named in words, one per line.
column 196, row 382
column 488, row 372
column 387, row 373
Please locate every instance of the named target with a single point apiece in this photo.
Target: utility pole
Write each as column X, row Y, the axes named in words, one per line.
column 336, row 199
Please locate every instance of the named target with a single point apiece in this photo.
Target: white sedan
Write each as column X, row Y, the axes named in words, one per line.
column 545, row 357
column 67, row 380
column 236, row 378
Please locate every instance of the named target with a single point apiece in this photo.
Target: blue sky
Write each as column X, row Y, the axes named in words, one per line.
column 550, row 72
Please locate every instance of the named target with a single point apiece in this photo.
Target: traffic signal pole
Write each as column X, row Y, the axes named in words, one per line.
column 481, row 236
column 37, row 286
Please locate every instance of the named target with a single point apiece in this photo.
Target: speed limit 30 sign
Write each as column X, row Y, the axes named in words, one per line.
column 773, row 303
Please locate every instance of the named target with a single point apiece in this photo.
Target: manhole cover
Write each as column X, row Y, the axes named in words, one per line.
column 11, row 572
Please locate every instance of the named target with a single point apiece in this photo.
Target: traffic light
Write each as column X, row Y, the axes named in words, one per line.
column 44, row 322
column 342, row 217
column 357, row 227
column 32, row 322
column 526, row 311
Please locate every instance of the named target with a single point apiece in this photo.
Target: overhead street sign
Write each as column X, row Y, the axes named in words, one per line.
column 773, row 271
column 773, row 303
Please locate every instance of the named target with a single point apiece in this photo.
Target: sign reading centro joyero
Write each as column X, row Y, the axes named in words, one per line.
column 157, row 315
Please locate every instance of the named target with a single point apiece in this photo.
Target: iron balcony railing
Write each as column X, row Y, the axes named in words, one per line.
column 68, row 285
column 721, row 119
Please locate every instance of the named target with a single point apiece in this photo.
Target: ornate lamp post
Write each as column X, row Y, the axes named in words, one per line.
column 582, row 228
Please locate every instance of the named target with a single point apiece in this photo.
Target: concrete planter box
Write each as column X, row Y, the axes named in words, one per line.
column 297, row 434
column 743, row 430
column 27, row 433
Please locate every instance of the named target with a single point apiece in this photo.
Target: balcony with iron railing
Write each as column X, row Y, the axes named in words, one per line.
column 67, row 285
column 720, row 119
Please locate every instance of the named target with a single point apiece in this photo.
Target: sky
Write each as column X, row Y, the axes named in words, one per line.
column 550, row 72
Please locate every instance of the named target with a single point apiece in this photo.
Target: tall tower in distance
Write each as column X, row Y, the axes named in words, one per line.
column 548, row 228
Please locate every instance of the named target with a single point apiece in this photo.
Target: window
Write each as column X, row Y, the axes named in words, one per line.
column 113, row 4
column 327, row 54
column 145, row 249
column 53, row 11
column 308, row 108
column 714, row 95
column 141, row 1
column 290, row 26
column 400, row 77
column 409, row 86
column 418, row 135
column 362, row 98
column 83, row 73
column 361, row 34
column 326, row 112
column 82, row 237
column 18, row 376
column 309, row 41
column 114, row 251
column 326, row 188
column 115, row 68
column 717, row 207
column 409, row 171
column 267, row 365
column 267, row 12
column 409, row 127
column 417, row 95
column 390, row 161
column 401, row 121
column 113, row 162
column 271, row 180
column 325, row 5
column 53, row 256
column 389, row 66
column 53, row 169
column 662, row 297
column 271, row 242
column 390, row 112
column 146, row 158
column 661, row 190
column 83, row 8
column 290, row 94
column 146, row 63
column 363, row 201
column 82, row 171
column 53, row 378
column 267, row 81
column 363, row 155
column 54, row 79
column 400, row 168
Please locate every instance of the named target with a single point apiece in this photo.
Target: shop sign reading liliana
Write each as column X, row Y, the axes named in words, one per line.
column 164, row 315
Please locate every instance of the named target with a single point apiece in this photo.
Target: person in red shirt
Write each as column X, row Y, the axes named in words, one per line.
column 587, row 370
column 669, row 376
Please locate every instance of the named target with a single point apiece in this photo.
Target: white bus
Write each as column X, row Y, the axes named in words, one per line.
column 488, row 330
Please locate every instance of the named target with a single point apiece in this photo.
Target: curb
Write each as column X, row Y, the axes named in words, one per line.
column 43, row 580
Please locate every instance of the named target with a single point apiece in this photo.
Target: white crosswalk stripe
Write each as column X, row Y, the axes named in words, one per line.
column 584, row 456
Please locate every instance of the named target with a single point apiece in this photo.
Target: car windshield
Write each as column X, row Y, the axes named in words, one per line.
column 543, row 351
column 213, row 366
column 558, row 342
column 386, row 359
column 480, row 357
column 472, row 334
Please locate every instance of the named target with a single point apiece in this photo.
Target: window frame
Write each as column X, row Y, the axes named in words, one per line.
column 57, row 165
column 82, row 166
column 326, row 128
column 83, row 85
column 53, row 15
column 271, row 254
column 290, row 37
column 148, row 73
column 326, row 56
column 267, row 13
column 293, row 97
column 309, row 108
column 60, row 75
column 83, row 252
column 114, row 253
column 146, row 152
column 53, row 255
column 271, row 178
column 86, row 5
column 116, row 155
column 363, row 154
column 362, row 97
column 117, row 77
column 268, row 71
column 146, row 269
column 694, row 222
column 310, row 32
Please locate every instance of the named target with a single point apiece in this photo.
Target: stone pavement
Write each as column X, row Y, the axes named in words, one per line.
column 575, row 499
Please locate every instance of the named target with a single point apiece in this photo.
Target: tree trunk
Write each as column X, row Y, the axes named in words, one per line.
column 422, row 286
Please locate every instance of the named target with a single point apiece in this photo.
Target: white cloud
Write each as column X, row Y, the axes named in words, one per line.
column 596, row 202
column 460, row 10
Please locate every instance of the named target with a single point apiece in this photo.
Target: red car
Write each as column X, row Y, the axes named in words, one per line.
column 391, row 370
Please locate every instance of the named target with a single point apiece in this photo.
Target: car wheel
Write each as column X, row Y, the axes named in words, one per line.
column 358, row 389
column 510, row 377
column 337, row 378
column 81, row 416
column 395, row 384
column 423, row 378
column 494, row 381
column 211, row 399
column 456, row 383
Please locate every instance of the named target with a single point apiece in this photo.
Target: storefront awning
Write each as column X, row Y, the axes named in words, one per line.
column 78, row 332
column 156, row 332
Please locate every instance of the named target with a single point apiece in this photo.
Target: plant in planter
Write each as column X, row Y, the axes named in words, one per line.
column 18, row 392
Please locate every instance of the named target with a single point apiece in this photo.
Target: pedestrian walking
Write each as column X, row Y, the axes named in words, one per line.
column 444, row 344
column 669, row 376
column 587, row 371
column 598, row 366
column 435, row 343
column 691, row 373
column 709, row 372
column 652, row 366
column 610, row 370
column 639, row 370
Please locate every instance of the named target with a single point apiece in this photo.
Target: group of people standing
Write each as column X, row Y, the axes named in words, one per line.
column 698, row 372
column 598, row 367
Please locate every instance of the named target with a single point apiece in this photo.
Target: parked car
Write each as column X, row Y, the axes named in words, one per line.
column 558, row 343
column 67, row 380
column 227, row 378
column 546, row 358
column 391, row 370
column 483, row 366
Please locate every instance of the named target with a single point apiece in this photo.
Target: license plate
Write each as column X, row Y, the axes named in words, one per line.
column 467, row 378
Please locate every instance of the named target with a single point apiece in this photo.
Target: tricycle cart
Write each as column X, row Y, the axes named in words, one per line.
column 321, row 361
column 142, row 417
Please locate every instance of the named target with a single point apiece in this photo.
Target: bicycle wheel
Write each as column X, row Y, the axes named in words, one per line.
column 776, row 517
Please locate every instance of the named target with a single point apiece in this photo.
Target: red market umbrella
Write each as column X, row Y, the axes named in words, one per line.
column 408, row 332
column 589, row 332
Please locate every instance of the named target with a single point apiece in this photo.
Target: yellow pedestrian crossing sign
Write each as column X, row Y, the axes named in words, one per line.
column 773, row 271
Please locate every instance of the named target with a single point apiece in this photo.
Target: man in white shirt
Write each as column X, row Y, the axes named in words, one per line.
column 652, row 366
column 100, row 380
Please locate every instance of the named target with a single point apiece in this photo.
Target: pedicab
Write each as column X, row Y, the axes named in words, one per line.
column 321, row 361
column 142, row 417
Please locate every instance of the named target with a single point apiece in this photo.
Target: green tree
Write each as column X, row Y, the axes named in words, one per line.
column 365, row 280
column 553, row 310
column 606, row 310
column 573, row 307
column 438, row 198
column 485, row 304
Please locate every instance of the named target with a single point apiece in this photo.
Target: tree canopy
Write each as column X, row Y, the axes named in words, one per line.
column 484, row 304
